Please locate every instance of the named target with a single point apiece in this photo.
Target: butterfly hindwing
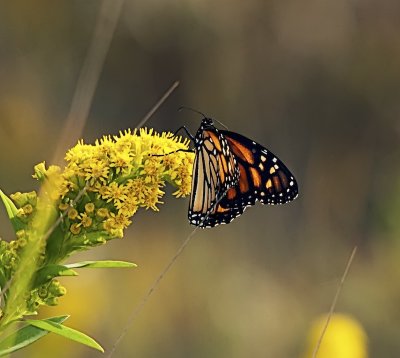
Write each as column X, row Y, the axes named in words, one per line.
column 222, row 215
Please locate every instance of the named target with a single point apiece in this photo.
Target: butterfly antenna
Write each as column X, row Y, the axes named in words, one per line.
column 191, row 109
column 196, row 111
column 220, row 123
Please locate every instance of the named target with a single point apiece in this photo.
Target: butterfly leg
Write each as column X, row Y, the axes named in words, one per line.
column 179, row 150
column 190, row 135
column 176, row 151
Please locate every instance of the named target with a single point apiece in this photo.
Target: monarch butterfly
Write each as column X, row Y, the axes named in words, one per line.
column 232, row 172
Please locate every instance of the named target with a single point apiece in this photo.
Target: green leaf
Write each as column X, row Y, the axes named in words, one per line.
column 12, row 212
column 66, row 332
column 101, row 264
column 46, row 273
column 25, row 336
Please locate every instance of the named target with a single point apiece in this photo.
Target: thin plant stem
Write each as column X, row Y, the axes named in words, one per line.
column 334, row 302
column 150, row 291
column 158, row 104
column 157, row 281
column 106, row 23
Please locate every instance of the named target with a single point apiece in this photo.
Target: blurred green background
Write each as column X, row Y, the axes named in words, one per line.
column 317, row 82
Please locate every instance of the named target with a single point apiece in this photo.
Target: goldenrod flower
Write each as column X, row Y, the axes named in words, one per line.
column 89, row 208
column 75, row 228
column 124, row 173
column 114, row 192
column 96, row 170
column 28, row 209
column 73, row 214
column 63, row 206
column 85, row 220
column 90, row 201
column 102, row 213
column 121, row 160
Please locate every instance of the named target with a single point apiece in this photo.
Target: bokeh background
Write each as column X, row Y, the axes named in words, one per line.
column 315, row 81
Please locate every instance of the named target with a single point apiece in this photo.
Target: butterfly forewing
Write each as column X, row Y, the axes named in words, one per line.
column 215, row 171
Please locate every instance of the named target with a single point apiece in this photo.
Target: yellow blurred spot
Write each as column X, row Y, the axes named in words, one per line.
column 344, row 338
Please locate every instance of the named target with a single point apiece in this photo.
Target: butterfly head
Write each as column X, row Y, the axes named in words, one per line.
column 207, row 123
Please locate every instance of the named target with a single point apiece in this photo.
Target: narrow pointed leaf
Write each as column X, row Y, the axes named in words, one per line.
column 66, row 332
column 101, row 264
column 25, row 336
column 48, row 272
column 12, row 212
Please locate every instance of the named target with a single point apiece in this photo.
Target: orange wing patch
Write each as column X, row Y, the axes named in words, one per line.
column 215, row 140
column 277, row 184
column 241, row 151
column 224, row 164
column 220, row 209
column 231, row 193
column 255, row 175
column 223, row 168
column 284, row 179
column 243, row 181
column 268, row 185
column 221, row 174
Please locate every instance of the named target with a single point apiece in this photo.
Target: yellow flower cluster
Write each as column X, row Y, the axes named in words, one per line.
column 120, row 174
column 88, row 203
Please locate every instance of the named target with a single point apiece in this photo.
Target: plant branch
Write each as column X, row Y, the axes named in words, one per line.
column 334, row 302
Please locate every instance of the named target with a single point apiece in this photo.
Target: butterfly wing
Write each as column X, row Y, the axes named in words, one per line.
column 215, row 171
column 232, row 172
column 262, row 177
column 222, row 215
